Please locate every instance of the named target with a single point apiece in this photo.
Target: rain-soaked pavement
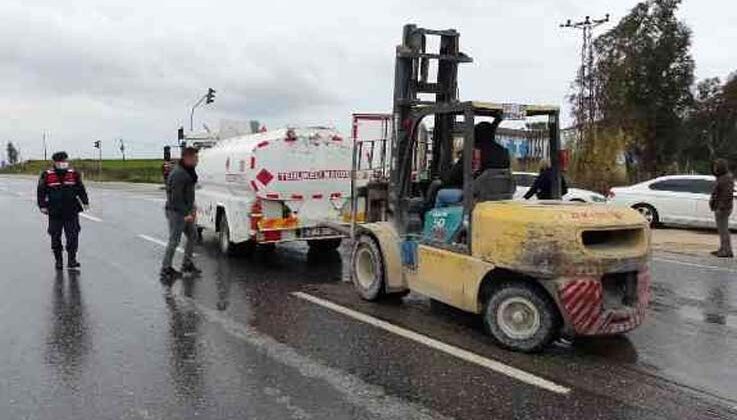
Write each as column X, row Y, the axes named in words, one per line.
column 112, row 343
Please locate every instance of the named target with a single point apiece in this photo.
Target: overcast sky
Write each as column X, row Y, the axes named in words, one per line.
column 93, row 69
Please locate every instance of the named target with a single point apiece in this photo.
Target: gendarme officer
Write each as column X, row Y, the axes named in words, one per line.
column 61, row 195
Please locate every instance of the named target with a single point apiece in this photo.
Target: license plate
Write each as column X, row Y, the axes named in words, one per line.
column 317, row 231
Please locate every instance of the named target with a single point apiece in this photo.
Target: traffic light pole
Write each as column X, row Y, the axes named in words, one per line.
column 209, row 97
column 191, row 114
column 98, row 146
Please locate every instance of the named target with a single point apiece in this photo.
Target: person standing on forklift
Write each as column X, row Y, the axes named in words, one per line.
column 61, row 196
column 487, row 154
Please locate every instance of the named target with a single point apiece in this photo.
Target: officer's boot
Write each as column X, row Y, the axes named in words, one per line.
column 73, row 263
column 59, row 259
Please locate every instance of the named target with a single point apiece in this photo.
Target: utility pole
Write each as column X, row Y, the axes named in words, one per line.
column 586, row 117
column 122, row 148
column 44, row 146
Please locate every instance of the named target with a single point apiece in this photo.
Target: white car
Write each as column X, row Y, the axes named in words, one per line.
column 677, row 199
column 524, row 181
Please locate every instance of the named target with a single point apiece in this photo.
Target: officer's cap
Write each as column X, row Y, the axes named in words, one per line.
column 59, row 156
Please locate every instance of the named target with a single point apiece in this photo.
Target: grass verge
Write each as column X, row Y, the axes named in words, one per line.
column 131, row 170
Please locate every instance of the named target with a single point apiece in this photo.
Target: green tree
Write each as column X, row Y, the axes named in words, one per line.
column 712, row 123
column 11, row 153
column 642, row 77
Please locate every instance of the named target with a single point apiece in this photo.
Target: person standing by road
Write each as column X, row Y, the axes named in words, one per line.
column 543, row 185
column 722, row 203
column 61, row 195
column 181, row 214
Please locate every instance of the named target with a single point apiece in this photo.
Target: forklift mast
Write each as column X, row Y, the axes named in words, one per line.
column 411, row 89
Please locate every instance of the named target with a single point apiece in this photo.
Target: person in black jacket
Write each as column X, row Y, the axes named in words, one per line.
column 543, row 185
column 61, row 195
column 722, row 204
column 181, row 214
column 488, row 154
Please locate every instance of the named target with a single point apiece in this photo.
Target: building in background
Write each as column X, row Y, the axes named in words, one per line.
column 228, row 128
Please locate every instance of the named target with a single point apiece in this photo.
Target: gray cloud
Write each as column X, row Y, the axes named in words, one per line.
column 85, row 69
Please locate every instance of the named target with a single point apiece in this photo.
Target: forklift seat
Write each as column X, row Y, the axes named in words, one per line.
column 494, row 185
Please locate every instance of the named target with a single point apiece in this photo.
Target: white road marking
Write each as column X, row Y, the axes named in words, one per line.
column 703, row 266
column 460, row 353
column 371, row 398
column 160, row 242
column 89, row 217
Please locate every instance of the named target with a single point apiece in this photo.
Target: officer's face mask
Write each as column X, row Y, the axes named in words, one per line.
column 62, row 165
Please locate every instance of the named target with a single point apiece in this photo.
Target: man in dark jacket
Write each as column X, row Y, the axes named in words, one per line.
column 487, row 154
column 543, row 185
column 181, row 213
column 61, row 195
column 722, row 203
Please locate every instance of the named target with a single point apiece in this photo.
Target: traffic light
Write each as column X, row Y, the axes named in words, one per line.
column 180, row 134
column 167, row 153
column 210, row 96
column 97, row 144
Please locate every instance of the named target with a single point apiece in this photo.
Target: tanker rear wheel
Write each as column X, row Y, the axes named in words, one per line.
column 225, row 246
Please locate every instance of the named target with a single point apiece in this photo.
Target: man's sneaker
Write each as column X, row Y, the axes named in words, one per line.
column 190, row 268
column 170, row 273
column 723, row 254
column 59, row 265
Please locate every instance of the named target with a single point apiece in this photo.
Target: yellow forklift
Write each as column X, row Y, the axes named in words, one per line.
column 533, row 270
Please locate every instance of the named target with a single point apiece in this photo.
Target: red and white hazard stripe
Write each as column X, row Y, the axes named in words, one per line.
column 582, row 300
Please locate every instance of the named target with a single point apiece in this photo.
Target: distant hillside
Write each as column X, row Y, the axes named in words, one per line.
column 131, row 170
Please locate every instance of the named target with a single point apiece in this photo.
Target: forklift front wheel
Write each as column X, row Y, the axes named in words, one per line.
column 521, row 317
column 367, row 268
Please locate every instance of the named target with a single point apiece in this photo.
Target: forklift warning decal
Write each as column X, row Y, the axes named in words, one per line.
column 313, row 175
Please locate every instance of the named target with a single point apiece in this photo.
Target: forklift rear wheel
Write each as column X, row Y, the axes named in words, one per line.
column 521, row 317
column 367, row 268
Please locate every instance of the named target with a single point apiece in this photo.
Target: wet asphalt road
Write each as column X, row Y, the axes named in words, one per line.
column 112, row 343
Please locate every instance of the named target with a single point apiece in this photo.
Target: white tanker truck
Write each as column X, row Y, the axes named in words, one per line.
column 277, row 186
